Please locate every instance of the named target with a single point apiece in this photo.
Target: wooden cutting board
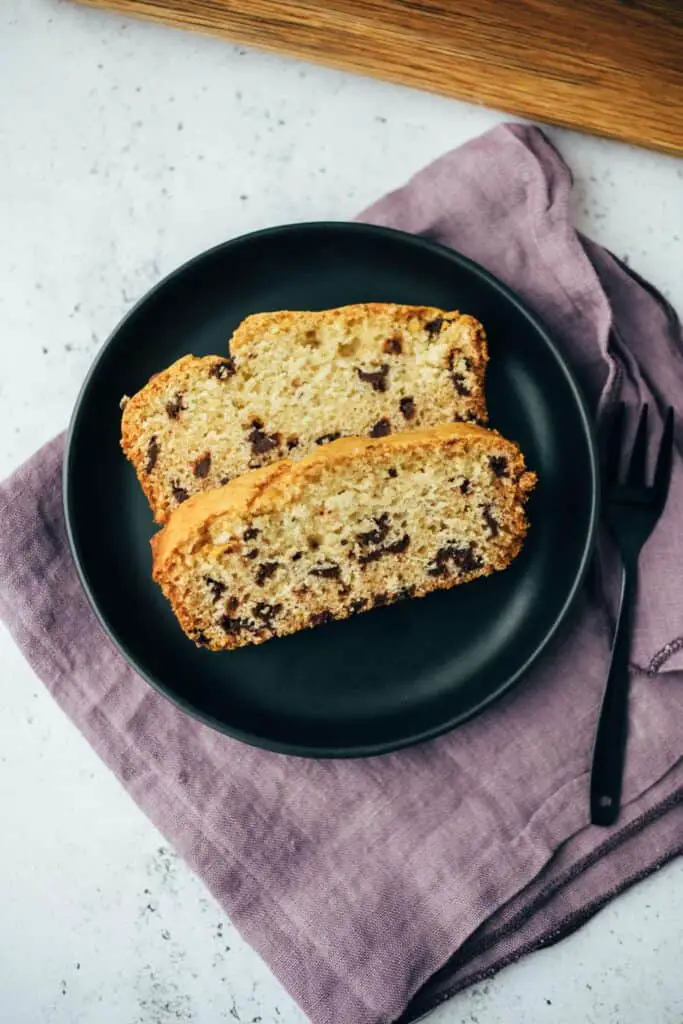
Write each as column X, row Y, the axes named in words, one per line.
column 612, row 67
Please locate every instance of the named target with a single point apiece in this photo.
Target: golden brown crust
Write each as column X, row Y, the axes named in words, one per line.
column 253, row 327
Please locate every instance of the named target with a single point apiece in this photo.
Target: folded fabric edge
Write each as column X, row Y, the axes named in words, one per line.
column 432, row 996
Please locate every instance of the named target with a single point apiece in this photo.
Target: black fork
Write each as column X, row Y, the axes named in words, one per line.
column 632, row 508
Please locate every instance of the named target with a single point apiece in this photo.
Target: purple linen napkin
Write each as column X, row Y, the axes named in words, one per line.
column 375, row 888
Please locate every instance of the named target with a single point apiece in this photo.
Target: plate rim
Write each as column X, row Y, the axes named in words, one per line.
column 360, row 750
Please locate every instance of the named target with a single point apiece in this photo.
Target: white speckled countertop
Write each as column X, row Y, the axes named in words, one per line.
column 124, row 149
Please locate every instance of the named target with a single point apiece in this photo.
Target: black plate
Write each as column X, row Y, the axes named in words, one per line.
column 396, row 675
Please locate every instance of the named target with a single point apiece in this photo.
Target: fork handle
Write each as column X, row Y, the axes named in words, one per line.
column 610, row 741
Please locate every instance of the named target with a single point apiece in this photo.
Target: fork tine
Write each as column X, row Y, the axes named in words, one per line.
column 636, row 469
column 664, row 457
column 614, row 432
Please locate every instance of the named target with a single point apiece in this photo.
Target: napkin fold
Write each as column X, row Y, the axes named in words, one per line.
column 376, row 888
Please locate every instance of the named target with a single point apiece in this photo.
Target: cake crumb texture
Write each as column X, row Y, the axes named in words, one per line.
column 295, row 381
column 357, row 524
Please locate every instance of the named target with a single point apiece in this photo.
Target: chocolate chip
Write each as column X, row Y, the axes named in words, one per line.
column 393, row 473
column 437, row 569
column 293, row 442
column 396, row 548
column 260, row 442
column 251, row 555
column 179, row 493
column 381, row 428
column 202, row 466
column 378, row 535
column 358, row 605
column 465, row 486
column 491, row 521
column 328, row 572
column 231, row 625
column 175, row 407
column 469, row 561
column 296, row 556
column 223, row 369
column 468, row 363
column 432, row 327
column 264, row 572
column 499, row 465
column 327, row 438
column 393, row 346
column 460, row 385
column 152, row 455
column 463, row 559
column 232, row 604
column 215, row 586
column 377, row 378
column 379, row 600
column 405, row 593
column 256, row 422
column 224, row 480
column 250, row 533
column 407, row 406
column 201, row 639
column 267, row 611
column 321, row 618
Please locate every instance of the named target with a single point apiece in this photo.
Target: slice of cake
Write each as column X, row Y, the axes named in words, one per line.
column 294, row 381
column 356, row 524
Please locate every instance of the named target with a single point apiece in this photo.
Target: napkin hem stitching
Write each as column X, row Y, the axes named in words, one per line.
column 663, row 655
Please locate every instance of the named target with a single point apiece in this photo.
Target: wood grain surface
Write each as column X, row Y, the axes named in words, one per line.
column 612, row 67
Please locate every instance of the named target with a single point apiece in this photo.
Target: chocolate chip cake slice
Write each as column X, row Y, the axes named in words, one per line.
column 294, row 381
column 357, row 524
